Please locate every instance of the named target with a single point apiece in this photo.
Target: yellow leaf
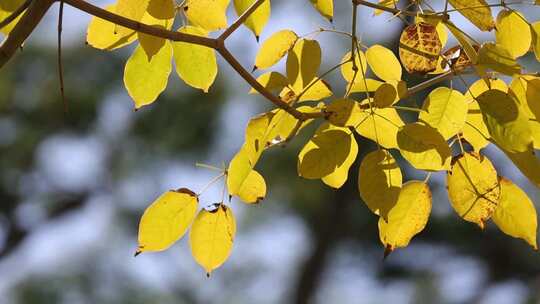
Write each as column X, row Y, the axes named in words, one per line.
column 271, row 81
column 274, row 48
column 528, row 163
column 382, row 126
column 364, row 85
column 253, row 189
column 473, row 188
column 132, row 9
column 535, row 129
column 145, row 80
column 383, row 63
column 419, row 48
column 347, row 68
column 526, row 89
column 258, row 19
column 445, row 110
column 505, row 120
column 513, row 32
column 328, row 150
column 211, row 237
column 423, row 147
column 208, row 14
column 379, row 182
column 385, row 95
column 496, row 57
column 408, row 217
column 166, row 220
column 149, row 43
column 161, row 10
column 345, row 113
column 475, row 131
column 303, row 62
column 103, row 34
column 195, row 64
column 340, row 175
column 7, row 7
column 436, row 21
column 477, row 11
column 535, row 30
column 480, row 86
column 386, row 3
column 325, row 8
column 515, row 214
column 318, row 89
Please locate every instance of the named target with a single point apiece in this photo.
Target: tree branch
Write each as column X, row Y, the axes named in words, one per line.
column 23, row 29
column 15, row 14
column 233, row 27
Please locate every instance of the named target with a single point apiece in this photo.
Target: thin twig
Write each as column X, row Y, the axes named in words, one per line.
column 386, row 9
column 60, row 67
column 233, row 27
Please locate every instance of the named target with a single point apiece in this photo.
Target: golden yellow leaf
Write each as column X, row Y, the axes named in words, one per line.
column 526, row 89
column 385, row 95
column 386, row 3
column 477, row 11
column 513, row 32
column 515, row 214
column 528, row 163
column 379, row 182
column 132, row 9
column 325, row 8
column 419, row 48
column 340, row 175
column 475, row 131
column 345, row 113
column 364, row 85
column 445, row 110
column 464, row 41
column 149, row 43
column 480, row 86
column 437, row 21
column 195, row 64
column 211, row 237
column 144, row 79
column 208, row 14
column 330, row 149
column 423, row 147
column 256, row 21
column 274, row 48
column 381, row 126
column 408, row 217
column 303, row 62
column 272, row 81
column 347, row 68
column 318, row 89
column 473, row 188
column 253, row 189
column 535, row 31
column 161, row 9
column 166, row 220
column 103, row 34
column 7, row 7
column 498, row 58
column 505, row 120
column 383, row 63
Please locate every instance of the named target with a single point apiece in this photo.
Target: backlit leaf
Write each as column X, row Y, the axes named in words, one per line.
column 345, row 113
column 347, row 68
column 513, row 32
column 445, row 110
column 256, row 21
column 303, row 62
column 423, row 147
column 318, row 89
column 271, row 81
column 166, row 220
column 253, row 189
column 383, row 63
column 325, row 8
column 208, row 14
column 408, row 217
column 505, row 120
column 477, row 11
column 211, row 237
column 419, row 48
column 132, row 9
column 144, row 79
column 364, row 85
column 473, row 188
column 274, row 48
column 515, row 214
column 381, row 126
column 496, row 57
column 535, row 30
column 104, row 35
column 528, row 163
column 195, row 64
column 379, row 182
column 385, row 95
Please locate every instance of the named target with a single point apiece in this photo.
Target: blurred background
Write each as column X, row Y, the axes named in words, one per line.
column 73, row 186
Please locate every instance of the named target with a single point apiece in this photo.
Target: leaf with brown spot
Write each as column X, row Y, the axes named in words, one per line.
column 419, row 48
